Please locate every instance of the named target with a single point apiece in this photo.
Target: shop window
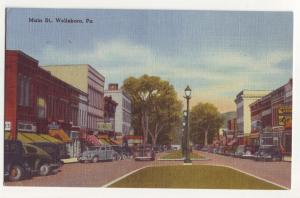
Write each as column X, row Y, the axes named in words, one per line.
column 41, row 108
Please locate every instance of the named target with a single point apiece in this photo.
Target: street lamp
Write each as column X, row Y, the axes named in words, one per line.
column 187, row 96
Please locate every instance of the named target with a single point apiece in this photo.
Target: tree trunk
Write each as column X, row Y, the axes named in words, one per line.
column 144, row 128
column 205, row 140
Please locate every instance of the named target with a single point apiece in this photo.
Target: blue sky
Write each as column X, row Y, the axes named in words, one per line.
column 217, row 53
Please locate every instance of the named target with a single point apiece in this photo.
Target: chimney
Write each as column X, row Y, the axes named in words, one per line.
column 112, row 86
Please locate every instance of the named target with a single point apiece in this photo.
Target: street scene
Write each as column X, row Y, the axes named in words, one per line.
column 148, row 99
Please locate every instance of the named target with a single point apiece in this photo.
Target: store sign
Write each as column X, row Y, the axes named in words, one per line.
column 284, row 110
column 104, row 126
column 285, row 116
column 7, row 126
column 53, row 126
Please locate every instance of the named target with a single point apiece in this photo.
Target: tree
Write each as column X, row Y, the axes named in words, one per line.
column 155, row 107
column 205, row 122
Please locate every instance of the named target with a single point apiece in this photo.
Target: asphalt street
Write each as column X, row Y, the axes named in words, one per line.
column 101, row 173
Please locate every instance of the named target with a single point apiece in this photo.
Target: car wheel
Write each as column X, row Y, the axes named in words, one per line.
column 44, row 169
column 16, row 173
column 95, row 159
column 117, row 157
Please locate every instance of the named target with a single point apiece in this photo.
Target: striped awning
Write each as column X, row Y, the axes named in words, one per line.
column 104, row 141
column 254, row 135
column 92, row 140
column 26, row 137
column 60, row 134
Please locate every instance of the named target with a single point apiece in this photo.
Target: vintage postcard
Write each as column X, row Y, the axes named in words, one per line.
column 146, row 98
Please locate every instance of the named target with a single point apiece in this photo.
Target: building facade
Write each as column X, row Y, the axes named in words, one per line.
column 243, row 121
column 271, row 118
column 88, row 80
column 34, row 98
column 123, row 110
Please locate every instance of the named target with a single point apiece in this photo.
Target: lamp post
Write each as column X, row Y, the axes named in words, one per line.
column 187, row 96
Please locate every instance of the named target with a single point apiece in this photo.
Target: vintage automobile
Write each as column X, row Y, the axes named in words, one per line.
column 243, row 151
column 122, row 152
column 16, row 166
column 98, row 153
column 39, row 160
column 240, row 151
column 56, row 151
column 268, row 153
column 144, row 153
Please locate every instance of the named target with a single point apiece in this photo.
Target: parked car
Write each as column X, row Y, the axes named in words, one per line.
column 243, row 151
column 220, row 150
column 55, row 150
column 204, row 148
column 144, row 153
column 39, row 160
column 268, row 153
column 121, row 152
column 16, row 166
column 98, row 153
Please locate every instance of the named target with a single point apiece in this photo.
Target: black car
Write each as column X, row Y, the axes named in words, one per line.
column 40, row 161
column 55, row 150
column 144, row 153
column 268, row 153
column 16, row 166
column 121, row 152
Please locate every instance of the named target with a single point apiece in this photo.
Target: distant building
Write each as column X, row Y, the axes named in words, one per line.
column 242, row 101
column 110, row 107
column 87, row 79
column 123, row 110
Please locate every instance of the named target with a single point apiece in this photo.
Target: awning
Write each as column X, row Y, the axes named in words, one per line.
column 232, row 142
column 60, row 134
column 25, row 137
column 32, row 136
column 93, row 140
column 51, row 139
column 104, row 141
column 254, row 135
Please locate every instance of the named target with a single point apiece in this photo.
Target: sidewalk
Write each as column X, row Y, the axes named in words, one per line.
column 287, row 158
column 70, row 160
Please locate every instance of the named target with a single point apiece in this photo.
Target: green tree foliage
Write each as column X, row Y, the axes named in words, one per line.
column 155, row 108
column 205, row 122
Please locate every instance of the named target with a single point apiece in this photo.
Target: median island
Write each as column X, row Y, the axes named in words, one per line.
column 195, row 176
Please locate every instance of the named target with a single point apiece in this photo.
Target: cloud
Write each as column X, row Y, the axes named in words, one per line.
column 215, row 74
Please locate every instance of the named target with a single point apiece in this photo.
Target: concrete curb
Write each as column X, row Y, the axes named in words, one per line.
column 70, row 160
column 122, row 177
column 257, row 177
column 236, row 169
column 205, row 159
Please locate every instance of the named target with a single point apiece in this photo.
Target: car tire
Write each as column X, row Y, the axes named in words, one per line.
column 16, row 173
column 44, row 169
column 95, row 159
column 117, row 157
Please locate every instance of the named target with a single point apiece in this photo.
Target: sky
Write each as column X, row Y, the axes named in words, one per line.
column 216, row 53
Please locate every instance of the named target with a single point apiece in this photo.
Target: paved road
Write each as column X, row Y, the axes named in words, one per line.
column 99, row 174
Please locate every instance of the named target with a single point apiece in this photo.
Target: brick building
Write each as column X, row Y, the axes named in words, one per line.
column 272, row 116
column 85, row 78
column 34, row 98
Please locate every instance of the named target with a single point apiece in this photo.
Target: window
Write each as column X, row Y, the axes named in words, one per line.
column 31, row 149
column 23, row 90
column 41, row 108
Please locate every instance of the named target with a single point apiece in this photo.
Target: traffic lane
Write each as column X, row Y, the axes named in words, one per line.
column 99, row 174
column 84, row 174
column 278, row 172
